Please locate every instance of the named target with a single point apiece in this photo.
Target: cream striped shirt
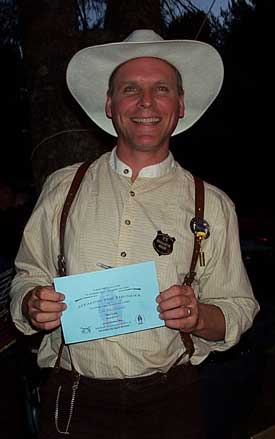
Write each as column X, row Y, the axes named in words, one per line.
column 114, row 222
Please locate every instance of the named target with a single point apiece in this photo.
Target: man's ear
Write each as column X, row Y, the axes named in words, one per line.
column 182, row 106
column 108, row 107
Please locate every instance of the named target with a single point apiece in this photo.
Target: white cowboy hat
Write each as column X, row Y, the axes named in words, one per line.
column 199, row 64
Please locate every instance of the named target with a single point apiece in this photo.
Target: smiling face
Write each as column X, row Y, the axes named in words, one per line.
column 145, row 104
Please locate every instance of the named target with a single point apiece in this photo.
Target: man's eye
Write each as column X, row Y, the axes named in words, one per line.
column 130, row 89
column 162, row 88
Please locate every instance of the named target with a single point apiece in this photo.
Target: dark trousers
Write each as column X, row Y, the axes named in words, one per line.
column 162, row 406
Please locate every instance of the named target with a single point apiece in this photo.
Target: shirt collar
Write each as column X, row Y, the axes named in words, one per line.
column 158, row 170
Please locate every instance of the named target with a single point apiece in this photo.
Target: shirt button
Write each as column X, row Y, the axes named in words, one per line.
column 123, row 254
column 126, row 171
column 132, row 193
column 127, row 222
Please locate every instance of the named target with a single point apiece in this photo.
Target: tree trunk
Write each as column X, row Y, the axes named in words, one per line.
column 124, row 16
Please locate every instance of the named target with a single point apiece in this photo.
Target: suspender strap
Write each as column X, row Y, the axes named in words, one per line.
column 199, row 212
column 61, row 257
column 68, row 202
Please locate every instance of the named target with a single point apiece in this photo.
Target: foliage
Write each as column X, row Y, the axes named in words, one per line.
column 179, row 18
column 91, row 12
column 173, row 9
column 194, row 25
column 8, row 23
column 237, row 17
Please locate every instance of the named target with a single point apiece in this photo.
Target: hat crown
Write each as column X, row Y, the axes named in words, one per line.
column 199, row 64
column 142, row 36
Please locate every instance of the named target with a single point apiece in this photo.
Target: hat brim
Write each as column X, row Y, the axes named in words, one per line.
column 199, row 64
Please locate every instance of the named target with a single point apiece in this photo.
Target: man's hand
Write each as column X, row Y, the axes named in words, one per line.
column 43, row 307
column 180, row 309
column 178, row 306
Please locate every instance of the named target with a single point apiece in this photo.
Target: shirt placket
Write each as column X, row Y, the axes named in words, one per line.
column 124, row 250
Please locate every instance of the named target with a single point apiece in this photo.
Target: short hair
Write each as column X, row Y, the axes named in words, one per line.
column 113, row 74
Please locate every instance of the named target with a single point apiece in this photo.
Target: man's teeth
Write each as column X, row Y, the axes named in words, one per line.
column 146, row 119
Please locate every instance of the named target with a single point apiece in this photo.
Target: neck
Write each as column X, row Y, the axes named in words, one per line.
column 138, row 160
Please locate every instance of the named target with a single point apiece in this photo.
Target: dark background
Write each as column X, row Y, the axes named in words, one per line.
column 42, row 129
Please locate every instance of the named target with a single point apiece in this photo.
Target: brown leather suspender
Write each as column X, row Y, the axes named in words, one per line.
column 65, row 211
column 61, row 257
column 199, row 212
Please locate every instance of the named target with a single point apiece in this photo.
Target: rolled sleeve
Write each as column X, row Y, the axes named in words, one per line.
column 36, row 261
column 225, row 282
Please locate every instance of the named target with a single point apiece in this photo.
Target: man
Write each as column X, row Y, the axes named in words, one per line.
column 139, row 384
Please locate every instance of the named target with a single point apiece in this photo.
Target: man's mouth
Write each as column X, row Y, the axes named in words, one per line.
column 146, row 120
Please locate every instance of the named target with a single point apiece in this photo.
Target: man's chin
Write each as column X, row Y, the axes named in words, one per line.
column 146, row 143
column 146, row 147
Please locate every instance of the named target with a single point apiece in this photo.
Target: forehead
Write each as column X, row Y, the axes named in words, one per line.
column 144, row 66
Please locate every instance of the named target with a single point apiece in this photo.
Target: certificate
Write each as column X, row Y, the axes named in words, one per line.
column 111, row 302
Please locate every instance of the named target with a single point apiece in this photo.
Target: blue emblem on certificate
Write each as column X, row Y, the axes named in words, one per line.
column 109, row 303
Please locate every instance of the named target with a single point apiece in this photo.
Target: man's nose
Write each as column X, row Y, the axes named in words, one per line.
column 146, row 99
